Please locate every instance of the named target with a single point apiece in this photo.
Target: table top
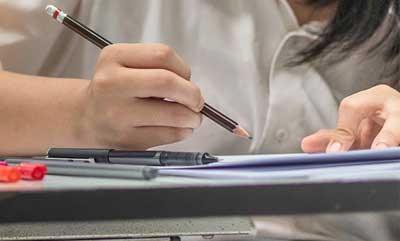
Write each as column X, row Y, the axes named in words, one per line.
column 61, row 198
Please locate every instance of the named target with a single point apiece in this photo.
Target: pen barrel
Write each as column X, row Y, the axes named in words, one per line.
column 67, row 168
column 159, row 158
column 181, row 158
column 146, row 158
column 99, row 155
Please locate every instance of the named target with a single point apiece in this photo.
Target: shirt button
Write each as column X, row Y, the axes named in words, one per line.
column 281, row 135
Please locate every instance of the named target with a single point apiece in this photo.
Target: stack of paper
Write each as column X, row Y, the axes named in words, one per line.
column 347, row 165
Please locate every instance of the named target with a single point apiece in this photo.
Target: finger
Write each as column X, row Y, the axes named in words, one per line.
column 146, row 56
column 368, row 130
column 352, row 111
column 389, row 136
column 154, row 112
column 157, row 83
column 149, row 137
column 317, row 142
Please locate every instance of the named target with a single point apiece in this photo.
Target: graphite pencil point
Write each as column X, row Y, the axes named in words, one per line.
column 239, row 131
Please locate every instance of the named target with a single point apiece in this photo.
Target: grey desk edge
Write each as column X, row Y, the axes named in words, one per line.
column 199, row 201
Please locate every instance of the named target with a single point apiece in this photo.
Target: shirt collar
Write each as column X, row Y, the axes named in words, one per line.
column 292, row 24
column 288, row 16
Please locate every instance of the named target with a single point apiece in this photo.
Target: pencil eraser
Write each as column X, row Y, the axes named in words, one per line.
column 32, row 171
column 3, row 163
column 9, row 174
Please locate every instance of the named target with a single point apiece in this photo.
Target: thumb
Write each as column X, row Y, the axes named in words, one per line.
column 389, row 136
column 342, row 140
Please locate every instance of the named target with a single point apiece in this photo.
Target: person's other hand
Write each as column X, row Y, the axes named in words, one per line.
column 140, row 97
column 368, row 119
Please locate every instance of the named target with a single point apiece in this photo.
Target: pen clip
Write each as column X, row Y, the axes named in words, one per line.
column 88, row 160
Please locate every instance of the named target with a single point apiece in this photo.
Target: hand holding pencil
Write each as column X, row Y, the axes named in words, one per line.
column 129, row 87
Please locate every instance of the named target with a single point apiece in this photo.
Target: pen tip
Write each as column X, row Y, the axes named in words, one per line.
column 239, row 131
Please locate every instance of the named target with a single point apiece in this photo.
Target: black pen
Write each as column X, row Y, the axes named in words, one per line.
column 146, row 158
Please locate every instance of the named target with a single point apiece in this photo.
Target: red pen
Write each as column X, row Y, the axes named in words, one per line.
column 9, row 174
column 32, row 171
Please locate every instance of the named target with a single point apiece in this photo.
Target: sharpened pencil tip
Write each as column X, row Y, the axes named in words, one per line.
column 239, row 131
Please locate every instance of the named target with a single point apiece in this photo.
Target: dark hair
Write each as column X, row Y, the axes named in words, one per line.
column 354, row 23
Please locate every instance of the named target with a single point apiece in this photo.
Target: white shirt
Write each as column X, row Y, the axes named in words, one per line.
column 237, row 50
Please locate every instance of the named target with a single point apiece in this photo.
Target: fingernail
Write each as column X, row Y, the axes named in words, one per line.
column 334, row 147
column 380, row 146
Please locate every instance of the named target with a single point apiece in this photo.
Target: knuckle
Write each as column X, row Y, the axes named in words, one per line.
column 383, row 88
column 102, row 83
column 347, row 104
column 162, row 52
column 110, row 56
column 109, row 53
column 197, row 95
column 392, row 94
column 197, row 92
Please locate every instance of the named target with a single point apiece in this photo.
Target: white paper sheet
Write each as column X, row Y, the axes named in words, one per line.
column 354, row 165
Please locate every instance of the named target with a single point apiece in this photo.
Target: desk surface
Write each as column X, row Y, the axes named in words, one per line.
column 59, row 198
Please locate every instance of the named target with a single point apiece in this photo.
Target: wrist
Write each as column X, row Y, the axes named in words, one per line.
column 79, row 124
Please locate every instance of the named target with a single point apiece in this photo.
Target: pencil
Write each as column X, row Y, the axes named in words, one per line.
column 101, row 42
